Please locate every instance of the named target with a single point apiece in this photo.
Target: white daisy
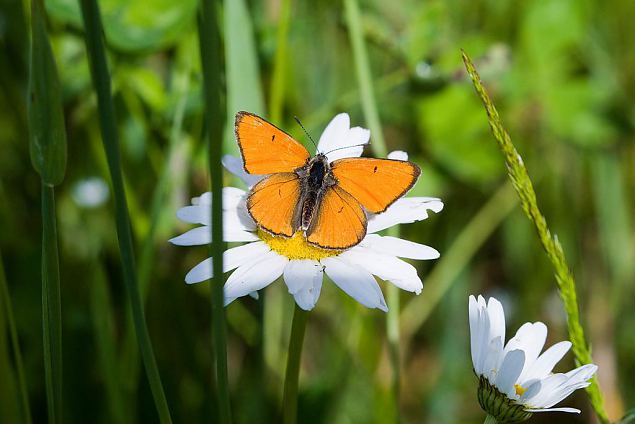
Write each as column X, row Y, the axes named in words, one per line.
column 265, row 257
column 515, row 380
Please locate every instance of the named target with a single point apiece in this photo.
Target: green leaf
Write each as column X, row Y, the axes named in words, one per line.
column 244, row 91
column 46, row 118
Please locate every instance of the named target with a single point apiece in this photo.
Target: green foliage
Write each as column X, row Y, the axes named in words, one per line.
column 134, row 26
column 46, row 119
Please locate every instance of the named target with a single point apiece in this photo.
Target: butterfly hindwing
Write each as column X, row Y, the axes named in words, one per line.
column 375, row 183
column 272, row 203
column 265, row 148
column 340, row 221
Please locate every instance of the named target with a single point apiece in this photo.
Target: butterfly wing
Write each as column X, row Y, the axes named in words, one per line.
column 265, row 148
column 340, row 221
column 272, row 203
column 375, row 183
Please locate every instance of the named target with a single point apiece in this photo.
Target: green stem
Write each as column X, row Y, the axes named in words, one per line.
column 489, row 420
column 101, row 81
column 290, row 396
column 169, row 178
column 209, row 43
column 17, row 354
column 364, row 79
column 51, row 307
column 564, row 277
column 278, row 82
column 378, row 145
column 104, row 333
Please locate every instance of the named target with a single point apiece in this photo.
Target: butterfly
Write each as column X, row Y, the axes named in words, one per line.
column 328, row 202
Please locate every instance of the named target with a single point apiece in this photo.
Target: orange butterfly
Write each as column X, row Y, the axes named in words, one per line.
column 302, row 193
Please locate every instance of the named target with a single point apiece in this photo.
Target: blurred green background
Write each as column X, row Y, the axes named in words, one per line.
column 562, row 73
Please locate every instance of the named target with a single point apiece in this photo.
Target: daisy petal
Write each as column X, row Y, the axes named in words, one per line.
column 356, row 282
column 509, row 371
column 203, row 235
column 235, row 165
column 231, row 197
column 531, row 338
column 473, row 313
column 304, row 280
column 308, row 296
column 496, row 317
column 386, row 267
column 545, row 362
column 541, row 397
column 398, row 155
column 338, row 134
column 193, row 237
column 399, row 247
column 570, row 410
column 404, row 211
column 254, row 275
column 195, row 215
column 232, row 258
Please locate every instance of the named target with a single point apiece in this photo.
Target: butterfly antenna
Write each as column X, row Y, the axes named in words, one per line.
column 305, row 131
column 347, row 147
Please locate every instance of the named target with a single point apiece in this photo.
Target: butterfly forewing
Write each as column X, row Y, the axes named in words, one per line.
column 265, row 148
column 375, row 183
column 340, row 221
column 272, row 203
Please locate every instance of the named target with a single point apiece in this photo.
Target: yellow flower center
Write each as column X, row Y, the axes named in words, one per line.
column 295, row 247
column 519, row 389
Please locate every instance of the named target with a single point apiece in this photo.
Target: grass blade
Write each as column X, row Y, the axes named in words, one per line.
column 101, row 81
column 47, row 133
column 104, row 333
column 294, row 359
column 17, row 354
column 244, row 91
column 564, row 278
column 47, row 136
column 51, row 307
column 209, row 42
column 278, row 83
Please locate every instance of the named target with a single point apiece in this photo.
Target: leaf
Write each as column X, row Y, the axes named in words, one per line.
column 47, row 133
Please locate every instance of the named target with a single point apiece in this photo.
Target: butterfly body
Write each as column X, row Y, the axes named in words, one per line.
column 327, row 200
column 315, row 178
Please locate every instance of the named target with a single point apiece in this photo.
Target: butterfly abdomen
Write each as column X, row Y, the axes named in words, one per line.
column 315, row 177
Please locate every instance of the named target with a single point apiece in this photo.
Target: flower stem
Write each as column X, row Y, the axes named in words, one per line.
column 101, row 80
column 290, row 396
column 364, row 78
column 209, row 44
column 278, row 81
column 489, row 420
column 371, row 115
column 564, row 277
column 17, row 354
column 51, row 307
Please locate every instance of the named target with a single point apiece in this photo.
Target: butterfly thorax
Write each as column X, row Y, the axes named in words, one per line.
column 315, row 178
